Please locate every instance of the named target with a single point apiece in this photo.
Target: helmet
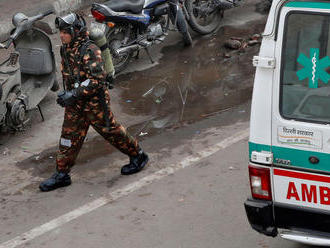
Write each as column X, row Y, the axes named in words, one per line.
column 71, row 23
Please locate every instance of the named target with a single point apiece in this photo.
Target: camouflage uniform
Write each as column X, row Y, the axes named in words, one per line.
column 88, row 110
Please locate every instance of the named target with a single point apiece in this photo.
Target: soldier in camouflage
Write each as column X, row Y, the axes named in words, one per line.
column 86, row 100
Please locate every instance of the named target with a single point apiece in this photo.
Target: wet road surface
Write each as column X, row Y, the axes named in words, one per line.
column 188, row 101
column 186, row 86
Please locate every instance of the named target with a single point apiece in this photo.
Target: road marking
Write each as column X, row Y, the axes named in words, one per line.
column 113, row 196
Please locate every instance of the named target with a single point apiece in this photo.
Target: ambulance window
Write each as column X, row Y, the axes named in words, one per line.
column 305, row 79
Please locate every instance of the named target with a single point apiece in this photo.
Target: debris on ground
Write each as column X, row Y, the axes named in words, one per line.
column 239, row 44
column 256, row 37
column 233, row 44
column 227, row 55
column 253, row 42
column 237, row 38
column 143, row 134
column 6, row 152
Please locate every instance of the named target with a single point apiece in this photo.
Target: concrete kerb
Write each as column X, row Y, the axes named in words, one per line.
column 60, row 7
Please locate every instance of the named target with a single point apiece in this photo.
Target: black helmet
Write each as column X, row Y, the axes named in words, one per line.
column 71, row 23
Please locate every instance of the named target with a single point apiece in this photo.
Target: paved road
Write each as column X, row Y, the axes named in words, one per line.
column 192, row 192
column 166, row 205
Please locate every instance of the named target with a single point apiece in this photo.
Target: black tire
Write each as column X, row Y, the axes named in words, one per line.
column 193, row 18
column 183, row 29
column 119, row 62
column 56, row 86
column 187, row 39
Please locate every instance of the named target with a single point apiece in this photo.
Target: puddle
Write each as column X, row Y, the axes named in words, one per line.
column 193, row 83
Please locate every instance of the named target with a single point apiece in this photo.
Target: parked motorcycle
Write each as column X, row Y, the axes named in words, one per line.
column 132, row 25
column 29, row 72
column 204, row 16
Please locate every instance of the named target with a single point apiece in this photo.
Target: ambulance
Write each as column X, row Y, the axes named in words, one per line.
column 289, row 144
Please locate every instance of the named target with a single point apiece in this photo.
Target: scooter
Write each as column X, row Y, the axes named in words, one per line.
column 28, row 74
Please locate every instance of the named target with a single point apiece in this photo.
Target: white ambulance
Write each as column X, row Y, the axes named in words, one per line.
column 289, row 143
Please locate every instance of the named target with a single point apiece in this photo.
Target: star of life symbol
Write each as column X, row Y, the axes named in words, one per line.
column 314, row 68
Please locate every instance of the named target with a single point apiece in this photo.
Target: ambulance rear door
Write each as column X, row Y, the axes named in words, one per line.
column 301, row 108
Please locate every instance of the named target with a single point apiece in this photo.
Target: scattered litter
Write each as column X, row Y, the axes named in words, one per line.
column 51, row 157
column 143, row 134
column 232, row 168
column 253, row 42
column 181, row 200
column 256, row 37
column 124, row 88
column 237, row 38
column 91, row 195
column 198, row 132
column 212, row 59
column 226, row 94
column 128, row 101
column 37, row 158
column 241, row 111
column 158, row 91
column 227, row 55
column 6, row 152
column 185, row 62
column 233, row 44
column 244, row 45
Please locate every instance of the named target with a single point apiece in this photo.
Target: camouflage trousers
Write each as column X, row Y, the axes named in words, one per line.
column 75, row 128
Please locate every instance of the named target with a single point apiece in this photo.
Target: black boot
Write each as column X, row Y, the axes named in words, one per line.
column 136, row 164
column 57, row 180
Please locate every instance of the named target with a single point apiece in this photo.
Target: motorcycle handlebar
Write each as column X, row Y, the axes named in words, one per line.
column 32, row 19
column 27, row 24
column 48, row 12
column 9, row 43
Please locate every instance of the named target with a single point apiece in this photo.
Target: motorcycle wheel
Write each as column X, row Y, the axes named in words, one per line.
column 55, row 86
column 200, row 22
column 119, row 62
column 183, row 29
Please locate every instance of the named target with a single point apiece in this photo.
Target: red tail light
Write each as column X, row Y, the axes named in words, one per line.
column 260, row 183
column 98, row 16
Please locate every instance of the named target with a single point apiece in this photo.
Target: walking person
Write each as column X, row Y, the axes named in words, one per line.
column 86, row 100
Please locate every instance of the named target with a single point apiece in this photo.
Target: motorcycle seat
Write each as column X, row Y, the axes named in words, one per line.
column 133, row 6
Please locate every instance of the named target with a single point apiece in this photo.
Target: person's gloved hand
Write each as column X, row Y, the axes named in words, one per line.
column 67, row 98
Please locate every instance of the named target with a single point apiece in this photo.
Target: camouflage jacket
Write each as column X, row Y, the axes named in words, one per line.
column 90, row 69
